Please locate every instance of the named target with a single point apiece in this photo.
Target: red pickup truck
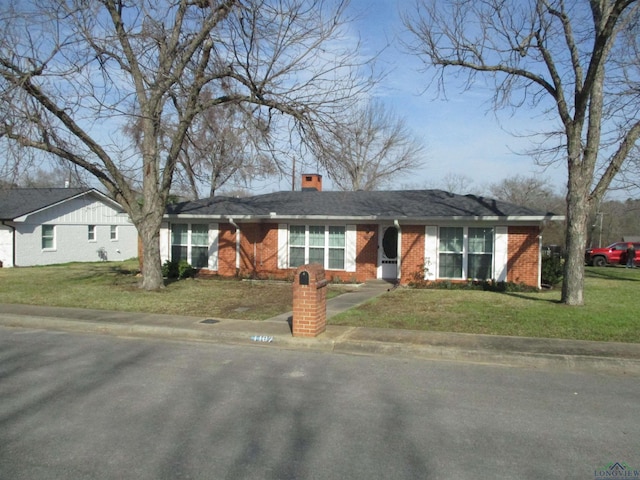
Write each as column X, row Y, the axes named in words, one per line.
column 614, row 254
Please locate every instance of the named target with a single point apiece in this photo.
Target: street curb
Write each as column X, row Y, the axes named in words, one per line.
column 341, row 344
column 161, row 332
column 584, row 363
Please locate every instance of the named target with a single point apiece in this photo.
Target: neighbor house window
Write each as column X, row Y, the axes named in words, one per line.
column 466, row 252
column 190, row 243
column 317, row 244
column 450, row 259
column 48, row 237
column 91, row 233
column 113, row 232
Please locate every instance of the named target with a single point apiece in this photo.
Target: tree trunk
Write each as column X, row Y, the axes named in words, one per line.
column 578, row 207
column 149, row 231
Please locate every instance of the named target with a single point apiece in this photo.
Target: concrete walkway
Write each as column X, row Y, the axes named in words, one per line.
column 607, row 357
column 341, row 303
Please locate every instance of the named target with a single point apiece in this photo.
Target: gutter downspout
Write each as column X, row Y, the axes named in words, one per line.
column 539, row 261
column 13, row 242
column 398, row 251
column 232, row 222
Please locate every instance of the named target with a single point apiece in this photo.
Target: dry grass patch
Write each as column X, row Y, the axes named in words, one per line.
column 114, row 286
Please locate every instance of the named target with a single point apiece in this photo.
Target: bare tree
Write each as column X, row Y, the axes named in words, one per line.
column 73, row 73
column 614, row 220
column 457, row 183
column 57, row 177
column 572, row 58
column 368, row 148
column 222, row 147
column 533, row 192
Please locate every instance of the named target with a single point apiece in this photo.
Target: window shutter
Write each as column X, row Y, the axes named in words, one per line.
column 283, row 246
column 430, row 252
column 165, row 242
column 213, row 247
column 350, row 253
column 501, row 254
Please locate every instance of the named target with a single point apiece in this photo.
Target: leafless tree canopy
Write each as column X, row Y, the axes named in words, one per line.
column 74, row 72
column 533, row 192
column 575, row 59
column 222, row 148
column 457, row 183
column 368, row 148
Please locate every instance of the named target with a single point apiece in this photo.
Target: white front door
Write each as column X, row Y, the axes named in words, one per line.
column 388, row 256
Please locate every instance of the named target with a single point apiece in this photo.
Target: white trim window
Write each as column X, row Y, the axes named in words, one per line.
column 466, row 253
column 91, row 233
column 337, row 246
column 113, row 233
column 190, row 242
column 199, row 246
column 480, row 256
column 450, row 252
column 321, row 244
column 48, row 237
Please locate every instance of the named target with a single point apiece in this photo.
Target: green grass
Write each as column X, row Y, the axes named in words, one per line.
column 114, row 286
column 611, row 311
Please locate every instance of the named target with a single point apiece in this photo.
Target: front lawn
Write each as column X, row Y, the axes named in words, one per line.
column 114, row 286
column 611, row 312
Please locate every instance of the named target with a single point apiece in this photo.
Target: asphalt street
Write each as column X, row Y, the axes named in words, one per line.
column 78, row 406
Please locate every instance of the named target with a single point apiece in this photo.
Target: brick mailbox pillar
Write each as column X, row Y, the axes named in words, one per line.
column 309, row 301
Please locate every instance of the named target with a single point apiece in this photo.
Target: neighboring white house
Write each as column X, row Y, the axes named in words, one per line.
column 43, row 226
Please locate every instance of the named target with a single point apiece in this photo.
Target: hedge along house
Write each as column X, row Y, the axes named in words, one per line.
column 358, row 236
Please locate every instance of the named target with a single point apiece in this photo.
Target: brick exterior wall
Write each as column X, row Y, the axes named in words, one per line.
column 259, row 253
column 226, row 250
column 523, row 255
column 412, row 252
column 366, row 254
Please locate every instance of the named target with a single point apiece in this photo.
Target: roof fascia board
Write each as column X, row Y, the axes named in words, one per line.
column 406, row 220
column 108, row 200
column 102, row 196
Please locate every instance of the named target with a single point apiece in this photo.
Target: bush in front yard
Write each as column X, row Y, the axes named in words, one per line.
column 552, row 269
column 182, row 269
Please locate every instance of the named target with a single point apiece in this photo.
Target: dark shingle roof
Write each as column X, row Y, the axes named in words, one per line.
column 17, row 202
column 413, row 204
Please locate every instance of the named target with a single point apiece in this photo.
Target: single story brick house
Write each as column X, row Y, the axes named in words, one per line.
column 358, row 236
column 42, row 226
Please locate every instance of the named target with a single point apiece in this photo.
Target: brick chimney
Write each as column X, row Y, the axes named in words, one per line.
column 311, row 181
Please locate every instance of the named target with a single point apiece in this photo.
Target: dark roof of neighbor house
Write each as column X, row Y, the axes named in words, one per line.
column 17, row 202
column 399, row 204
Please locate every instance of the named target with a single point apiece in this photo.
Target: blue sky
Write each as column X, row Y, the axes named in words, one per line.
column 462, row 134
